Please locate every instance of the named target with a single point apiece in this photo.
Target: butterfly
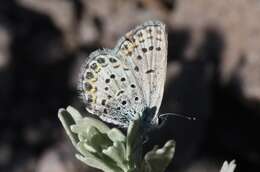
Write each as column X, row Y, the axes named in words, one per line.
column 120, row 83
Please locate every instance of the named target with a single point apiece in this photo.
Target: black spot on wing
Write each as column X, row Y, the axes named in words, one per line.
column 93, row 66
column 103, row 102
column 144, row 50
column 123, row 102
column 150, row 71
column 112, row 60
column 88, row 86
column 120, row 92
column 139, row 57
column 112, row 76
column 132, row 85
column 89, row 75
column 107, row 80
column 101, row 60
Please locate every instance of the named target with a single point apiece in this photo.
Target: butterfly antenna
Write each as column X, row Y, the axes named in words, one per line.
column 178, row 115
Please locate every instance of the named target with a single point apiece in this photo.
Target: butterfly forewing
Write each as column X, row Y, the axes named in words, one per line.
column 145, row 50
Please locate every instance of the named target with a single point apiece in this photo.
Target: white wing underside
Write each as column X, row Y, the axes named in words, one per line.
column 148, row 41
column 120, row 83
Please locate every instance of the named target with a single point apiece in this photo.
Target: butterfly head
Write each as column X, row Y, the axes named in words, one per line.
column 149, row 119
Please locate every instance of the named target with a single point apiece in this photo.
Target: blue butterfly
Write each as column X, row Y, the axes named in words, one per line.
column 119, row 84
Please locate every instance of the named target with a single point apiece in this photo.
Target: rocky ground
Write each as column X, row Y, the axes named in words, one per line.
column 213, row 74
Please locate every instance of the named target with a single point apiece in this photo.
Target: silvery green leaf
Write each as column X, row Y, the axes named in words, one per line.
column 133, row 137
column 117, row 153
column 134, row 145
column 67, row 120
column 97, row 139
column 93, row 158
column 91, row 137
column 116, row 135
column 86, row 150
column 74, row 113
column 98, row 163
column 158, row 159
column 109, row 149
column 86, row 122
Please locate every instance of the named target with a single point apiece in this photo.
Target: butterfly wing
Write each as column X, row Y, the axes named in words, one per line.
column 110, row 89
column 145, row 51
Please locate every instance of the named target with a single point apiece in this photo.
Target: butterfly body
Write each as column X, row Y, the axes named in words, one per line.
column 119, row 84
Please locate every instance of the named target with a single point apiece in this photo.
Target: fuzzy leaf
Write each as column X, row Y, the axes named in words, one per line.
column 98, row 163
column 116, row 135
column 109, row 149
column 74, row 113
column 98, row 140
column 67, row 120
column 91, row 137
column 95, row 159
column 133, row 136
column 158, row 159
column 85, row 123
column 116, row 152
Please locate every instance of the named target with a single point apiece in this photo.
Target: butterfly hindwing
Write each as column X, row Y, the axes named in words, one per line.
column 110, row 89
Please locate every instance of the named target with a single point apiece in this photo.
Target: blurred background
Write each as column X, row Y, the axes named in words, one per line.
column 213, row 74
